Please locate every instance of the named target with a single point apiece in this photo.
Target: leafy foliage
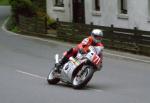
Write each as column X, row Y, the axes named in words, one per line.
column 22, row 7
column 4, row 2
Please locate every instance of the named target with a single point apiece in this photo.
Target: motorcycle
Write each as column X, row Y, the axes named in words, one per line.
column 79, row 70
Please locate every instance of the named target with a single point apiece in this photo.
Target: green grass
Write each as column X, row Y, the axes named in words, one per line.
column 4, row 2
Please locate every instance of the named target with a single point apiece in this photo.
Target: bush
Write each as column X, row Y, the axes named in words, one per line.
column 22, row 7
column 10, row 24
column 52, row 24
column 28, row 9
column 4, row 2
column 50, row 21
column 15, row 29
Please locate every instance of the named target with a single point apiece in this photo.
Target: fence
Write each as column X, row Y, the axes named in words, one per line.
column 135, row 40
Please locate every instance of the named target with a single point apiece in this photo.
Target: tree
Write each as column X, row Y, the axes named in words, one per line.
column 22, row 7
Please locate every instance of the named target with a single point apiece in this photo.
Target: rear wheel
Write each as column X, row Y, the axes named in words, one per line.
column 83, row 76
column 52, row 77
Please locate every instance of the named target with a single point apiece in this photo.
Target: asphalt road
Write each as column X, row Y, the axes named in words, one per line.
column 25, row 63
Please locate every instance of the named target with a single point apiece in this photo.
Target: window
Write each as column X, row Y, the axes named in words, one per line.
column 123, row 7
column 96, row 8
column 59, row 3
column 97, row 5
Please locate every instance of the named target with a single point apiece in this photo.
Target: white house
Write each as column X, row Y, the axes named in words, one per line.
column 120, row 13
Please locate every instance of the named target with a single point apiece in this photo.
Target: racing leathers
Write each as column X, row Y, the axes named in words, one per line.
column 83, row 47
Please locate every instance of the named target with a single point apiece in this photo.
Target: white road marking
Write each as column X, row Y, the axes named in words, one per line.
column 98, row 90
column 31, row 75
column 45, row 40
column 40, row 77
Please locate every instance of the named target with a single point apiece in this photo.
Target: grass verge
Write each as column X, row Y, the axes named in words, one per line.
column 4, row 2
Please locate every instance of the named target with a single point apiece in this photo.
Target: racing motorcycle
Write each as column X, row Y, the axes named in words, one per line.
column 79, row 70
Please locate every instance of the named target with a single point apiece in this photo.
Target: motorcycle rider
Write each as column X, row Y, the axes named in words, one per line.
column 93, row 40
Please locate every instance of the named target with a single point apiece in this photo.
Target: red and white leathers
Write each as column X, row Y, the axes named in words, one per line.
column 84, row 45
column 93, row 40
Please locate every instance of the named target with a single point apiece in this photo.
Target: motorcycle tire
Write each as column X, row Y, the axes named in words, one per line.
column 51, row 79
column 82, row 83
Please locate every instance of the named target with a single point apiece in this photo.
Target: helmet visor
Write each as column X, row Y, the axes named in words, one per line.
column 98, row 37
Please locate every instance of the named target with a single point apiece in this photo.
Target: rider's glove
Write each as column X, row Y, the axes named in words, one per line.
column 81, row 51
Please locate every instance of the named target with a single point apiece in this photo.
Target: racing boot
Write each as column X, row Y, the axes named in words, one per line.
column 59, row 65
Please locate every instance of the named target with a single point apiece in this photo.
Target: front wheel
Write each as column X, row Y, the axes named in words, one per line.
column 52, row 78
column 83, row 76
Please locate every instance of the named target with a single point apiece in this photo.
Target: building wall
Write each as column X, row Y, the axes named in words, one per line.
column 138, row 13
column 62, row 13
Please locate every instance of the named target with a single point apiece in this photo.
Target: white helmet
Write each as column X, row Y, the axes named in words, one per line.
column 97, row 35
